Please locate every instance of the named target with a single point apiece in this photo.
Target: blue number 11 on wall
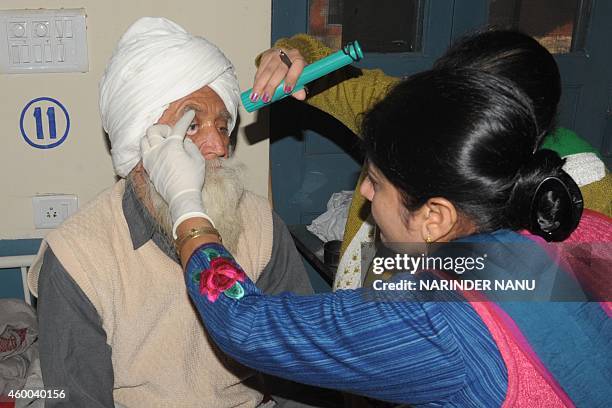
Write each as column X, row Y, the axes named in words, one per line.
column 39, row 125
column 32, row 119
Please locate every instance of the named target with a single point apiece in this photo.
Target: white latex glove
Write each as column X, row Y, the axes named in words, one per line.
column 176, row 168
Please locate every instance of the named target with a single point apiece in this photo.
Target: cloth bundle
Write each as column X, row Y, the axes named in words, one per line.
column 330, row 225
column 18, row 332
column 155, row 63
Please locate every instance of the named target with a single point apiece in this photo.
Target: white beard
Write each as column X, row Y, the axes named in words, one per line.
column 222, row 193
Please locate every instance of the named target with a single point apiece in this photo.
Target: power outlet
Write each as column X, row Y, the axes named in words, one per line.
column 51, row 210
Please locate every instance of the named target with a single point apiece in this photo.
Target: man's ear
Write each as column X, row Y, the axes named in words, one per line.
column 440, row 220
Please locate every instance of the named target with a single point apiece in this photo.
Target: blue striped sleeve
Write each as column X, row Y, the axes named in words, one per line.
column 388, row 350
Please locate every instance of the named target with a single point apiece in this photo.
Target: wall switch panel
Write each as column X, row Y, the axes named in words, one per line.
column 42, row 40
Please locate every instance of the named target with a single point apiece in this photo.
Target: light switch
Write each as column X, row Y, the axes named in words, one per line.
column 48, row 54
column 60, row 53
column 15, row 54
column 59, row 28
column 68, row 29
column 43, row 40
column 25, row 54
column 37, row 53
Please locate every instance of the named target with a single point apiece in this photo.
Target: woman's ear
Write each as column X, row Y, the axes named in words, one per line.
column 440, row 220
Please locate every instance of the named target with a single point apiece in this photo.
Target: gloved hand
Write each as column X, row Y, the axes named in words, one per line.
column 176, row 168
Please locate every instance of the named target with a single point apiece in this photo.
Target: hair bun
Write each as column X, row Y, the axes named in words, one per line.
column 545, row 199
column 556, row 207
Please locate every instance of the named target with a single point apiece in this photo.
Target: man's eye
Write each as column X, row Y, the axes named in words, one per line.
column 192, row 129
column 224, row 130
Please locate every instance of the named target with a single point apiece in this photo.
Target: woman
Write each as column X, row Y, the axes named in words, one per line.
column 467, row 172
column 511, row 54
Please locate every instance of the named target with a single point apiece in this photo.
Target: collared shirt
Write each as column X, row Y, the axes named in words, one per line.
column 73, row 349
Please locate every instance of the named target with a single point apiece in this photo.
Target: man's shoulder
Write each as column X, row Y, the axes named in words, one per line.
column 251, row 198
column 94, row 216
column 256, row 212
column 255, row 243
column 85, row 231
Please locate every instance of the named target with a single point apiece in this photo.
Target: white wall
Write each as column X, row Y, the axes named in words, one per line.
column 82, row 164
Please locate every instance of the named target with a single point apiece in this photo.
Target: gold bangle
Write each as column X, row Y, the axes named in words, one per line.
column 194, row 233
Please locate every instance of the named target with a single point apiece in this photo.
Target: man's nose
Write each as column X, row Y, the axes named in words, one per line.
column 212, row 144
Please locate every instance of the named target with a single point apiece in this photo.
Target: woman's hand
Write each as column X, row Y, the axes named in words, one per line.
column 273, row 70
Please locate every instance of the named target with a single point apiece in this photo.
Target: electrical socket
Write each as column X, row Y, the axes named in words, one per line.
column 50, row 210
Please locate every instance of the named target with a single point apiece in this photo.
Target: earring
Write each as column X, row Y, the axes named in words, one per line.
column 428, row 240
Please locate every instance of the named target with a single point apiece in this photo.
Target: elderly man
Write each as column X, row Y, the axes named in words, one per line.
column 116, row 324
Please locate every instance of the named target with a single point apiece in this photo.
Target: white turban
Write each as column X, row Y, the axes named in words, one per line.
column 157, row 62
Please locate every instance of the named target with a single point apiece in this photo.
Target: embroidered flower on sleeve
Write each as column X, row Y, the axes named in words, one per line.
column 221, row 275
column 211, row 253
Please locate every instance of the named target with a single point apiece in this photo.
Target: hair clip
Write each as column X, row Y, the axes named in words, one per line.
column 567, row 218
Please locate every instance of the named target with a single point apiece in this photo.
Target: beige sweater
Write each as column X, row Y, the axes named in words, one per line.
column 161, row 354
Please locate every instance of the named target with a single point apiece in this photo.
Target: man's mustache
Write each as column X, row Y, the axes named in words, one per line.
column 214, row 164
column 221, row 193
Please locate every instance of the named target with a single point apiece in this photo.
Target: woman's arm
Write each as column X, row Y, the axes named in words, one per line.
column 390, row 350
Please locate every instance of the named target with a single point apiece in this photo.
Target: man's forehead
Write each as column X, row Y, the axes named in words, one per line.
column 204, row 95
column 203, row 100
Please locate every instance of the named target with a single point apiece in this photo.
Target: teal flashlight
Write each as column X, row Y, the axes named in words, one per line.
column 350, row 53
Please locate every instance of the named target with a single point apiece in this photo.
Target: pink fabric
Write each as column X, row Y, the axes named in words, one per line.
column 593, row 236
column 530, row 385
column 596, row 228
column 593, row 227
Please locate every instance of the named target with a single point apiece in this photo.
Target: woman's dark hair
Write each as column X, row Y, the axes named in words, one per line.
column 518, row 57
column 471, row 137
